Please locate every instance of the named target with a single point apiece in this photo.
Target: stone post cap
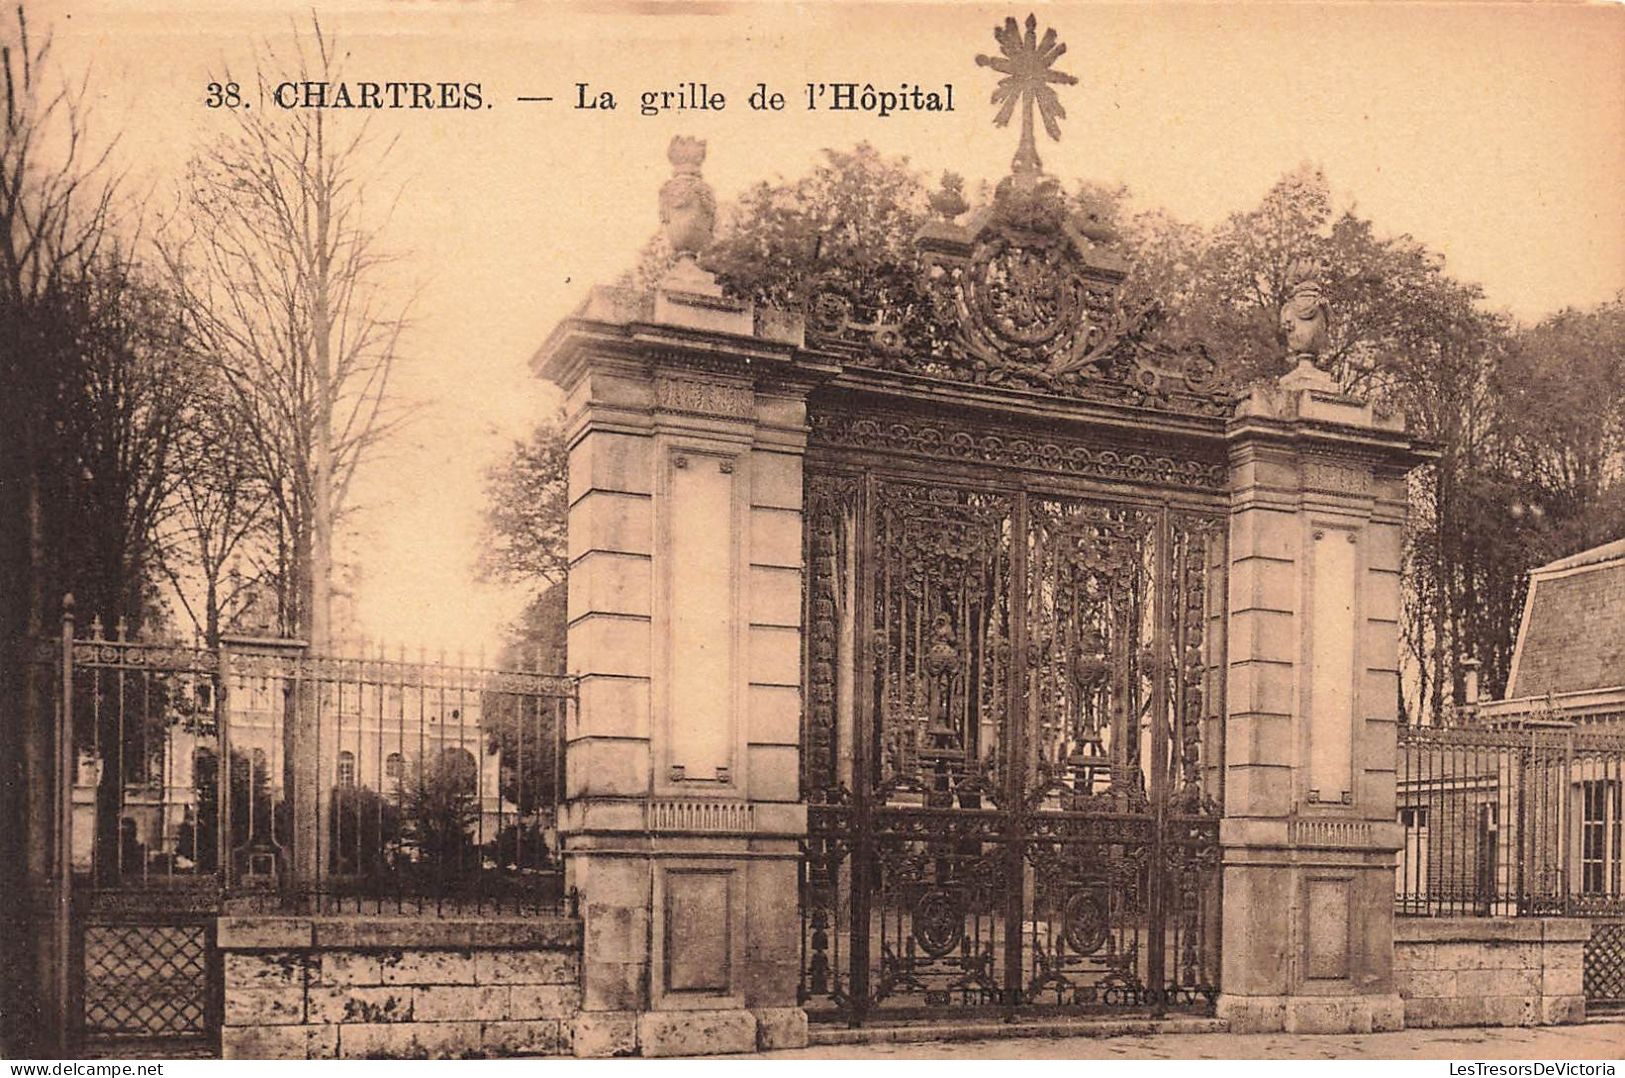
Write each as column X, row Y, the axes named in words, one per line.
column 1308, row 393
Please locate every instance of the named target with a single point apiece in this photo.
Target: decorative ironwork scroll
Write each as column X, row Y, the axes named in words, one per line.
column 1006, row 693
column 958, row 441
column 1014, row 626
column 1026, row 294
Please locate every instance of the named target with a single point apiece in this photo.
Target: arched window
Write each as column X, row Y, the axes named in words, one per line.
column 347, row 769
column 394, row 767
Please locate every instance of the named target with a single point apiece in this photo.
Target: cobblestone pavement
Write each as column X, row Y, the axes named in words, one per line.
column 1593, row 1040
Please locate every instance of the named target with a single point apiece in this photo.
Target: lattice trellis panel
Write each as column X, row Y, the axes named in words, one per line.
column 1605, row 964
column 146, row 980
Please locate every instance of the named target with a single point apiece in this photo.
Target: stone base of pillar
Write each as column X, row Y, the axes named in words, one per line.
column 781, row 1027
column 606, row 1034
column 696, row 1033
column 1312, row 1014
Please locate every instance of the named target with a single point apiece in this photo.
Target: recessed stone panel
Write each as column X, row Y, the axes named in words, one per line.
column 1257, row 791
column 607, row 768
column 1259, row 739
column 609, row 644
column 1326, row 911
column 1330, row 704
column 613, row 707
column 1380, row 594
column 775, row 656
column 775, row 715
column 1256, row 686
column 697, row 930
column 1265, row 634
column 1261, row 531
column 775, row 772
column 699, row 602
column 1259, row 583
column 610, row 582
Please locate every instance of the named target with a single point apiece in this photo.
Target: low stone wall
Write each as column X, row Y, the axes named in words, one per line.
column 349, row 988
column 1490, row 971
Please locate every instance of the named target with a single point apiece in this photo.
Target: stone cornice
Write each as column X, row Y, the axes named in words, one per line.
column 1385, row 447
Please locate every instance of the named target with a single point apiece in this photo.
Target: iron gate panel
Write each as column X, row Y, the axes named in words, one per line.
column 1604, row 968
column 1005, row 748
column 150, row 978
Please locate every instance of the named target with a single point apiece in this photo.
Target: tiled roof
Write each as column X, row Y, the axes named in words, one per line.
column 1597, row 554
column 1573, row 637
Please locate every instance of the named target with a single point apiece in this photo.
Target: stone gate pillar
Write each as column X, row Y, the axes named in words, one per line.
column 1318, row 497
column 686, row 423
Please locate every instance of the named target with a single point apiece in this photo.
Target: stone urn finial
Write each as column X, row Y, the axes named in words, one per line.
column 1305, row 314
column 688, row 206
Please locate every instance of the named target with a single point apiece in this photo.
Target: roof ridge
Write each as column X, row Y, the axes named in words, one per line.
column 1597, row 555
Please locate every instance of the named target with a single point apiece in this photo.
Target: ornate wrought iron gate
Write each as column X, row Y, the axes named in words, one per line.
column 1010, row 723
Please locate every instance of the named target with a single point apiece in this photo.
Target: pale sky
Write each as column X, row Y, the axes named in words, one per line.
column 1494, row 133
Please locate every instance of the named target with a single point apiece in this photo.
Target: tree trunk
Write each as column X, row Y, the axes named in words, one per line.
column 321, row 457
column 1441, row 571
column 211, row 610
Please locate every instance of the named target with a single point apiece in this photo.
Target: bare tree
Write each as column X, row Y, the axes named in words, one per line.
column 277, row 259
column 220, row 515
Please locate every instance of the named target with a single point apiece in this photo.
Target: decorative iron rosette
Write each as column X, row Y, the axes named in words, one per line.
column 1085, row 921
column 939, row 922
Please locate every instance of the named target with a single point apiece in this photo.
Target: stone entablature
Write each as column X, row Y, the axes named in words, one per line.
column 1595, row 708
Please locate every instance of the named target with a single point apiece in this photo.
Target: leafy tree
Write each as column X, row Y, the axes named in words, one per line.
column 849, row 223
column 439, row 806
column 526, row 508
column 121, row 437
column 219, row 515
column 1563, row 391
column 93, row 387
column 362, row 825
column 526, row 511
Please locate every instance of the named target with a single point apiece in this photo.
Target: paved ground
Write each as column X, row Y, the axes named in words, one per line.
column 1594, row 1040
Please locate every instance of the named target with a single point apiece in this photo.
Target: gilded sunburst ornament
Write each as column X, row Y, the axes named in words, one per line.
column 1028, row 75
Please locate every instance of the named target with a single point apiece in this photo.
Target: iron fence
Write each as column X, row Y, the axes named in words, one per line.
column 278, row 779
column 1514, row 821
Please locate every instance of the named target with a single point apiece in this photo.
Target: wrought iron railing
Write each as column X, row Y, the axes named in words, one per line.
column 1511, row 820
column 271, row 778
